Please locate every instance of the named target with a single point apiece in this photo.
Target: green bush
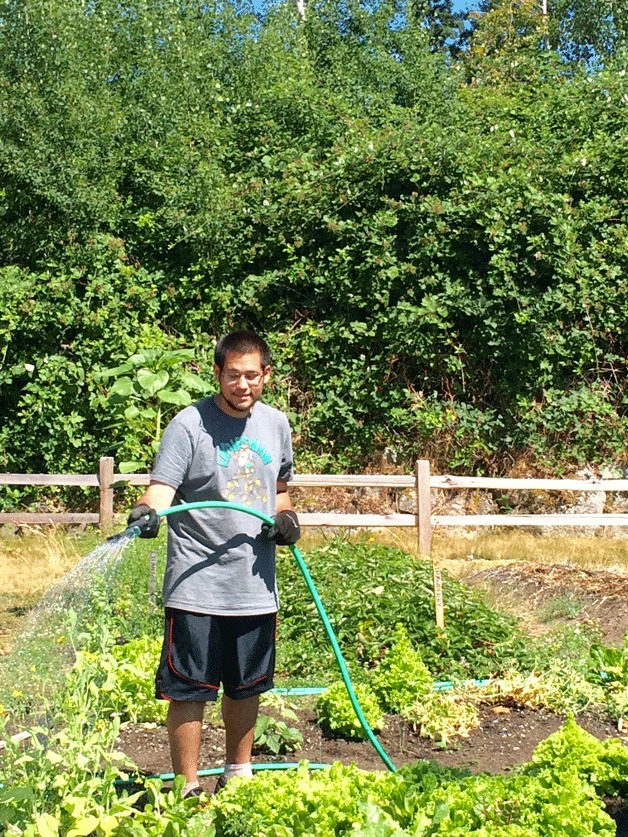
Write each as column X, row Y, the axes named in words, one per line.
column 434, row 238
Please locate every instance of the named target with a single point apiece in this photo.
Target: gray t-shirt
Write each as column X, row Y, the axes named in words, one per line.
column 218, row 560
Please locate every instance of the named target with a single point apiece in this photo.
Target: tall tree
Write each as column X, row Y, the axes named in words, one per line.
column 592, row 31
column 589, row 30
column 445, row 27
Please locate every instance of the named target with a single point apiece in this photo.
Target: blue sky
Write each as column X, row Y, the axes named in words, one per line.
column 464, row 5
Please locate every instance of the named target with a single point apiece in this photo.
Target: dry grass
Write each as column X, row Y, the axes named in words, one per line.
column 466, row 552
column 29, row 564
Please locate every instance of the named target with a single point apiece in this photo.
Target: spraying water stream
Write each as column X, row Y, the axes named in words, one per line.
column 43, row 646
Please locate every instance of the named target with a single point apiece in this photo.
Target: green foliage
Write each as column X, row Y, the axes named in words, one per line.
column 401, row 678
column 609, row 669
column 64, row 778
column 158, row 378
column 421, row 799
column 275, row 736
column 366, row 588
column 297, row 803
column 337, row 715
column 442, row 716
column 572, row 750
column 435, row 246
column 133, row 686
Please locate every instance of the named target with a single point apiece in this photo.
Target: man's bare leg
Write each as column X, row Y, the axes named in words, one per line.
column 239, row 717
column 184, row 724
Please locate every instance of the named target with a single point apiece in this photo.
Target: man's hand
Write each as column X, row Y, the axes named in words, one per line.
column 285, row 529
column 146, row 519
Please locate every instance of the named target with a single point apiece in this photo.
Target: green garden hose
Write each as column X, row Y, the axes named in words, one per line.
column 220, row 504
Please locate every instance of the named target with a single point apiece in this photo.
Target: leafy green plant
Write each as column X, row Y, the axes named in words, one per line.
column 293, row 803
column 610, row 671
column 600, row 764
column 420, row 799
column 337, row 715
column 63, row 780
column 366, row 589
column 442, row 716
column 402, row 678
column 133, row 680
column 275, row 736
column 159, row 378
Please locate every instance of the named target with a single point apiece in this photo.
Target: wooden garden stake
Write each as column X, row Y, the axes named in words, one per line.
column 152, row 581
column 424, row 524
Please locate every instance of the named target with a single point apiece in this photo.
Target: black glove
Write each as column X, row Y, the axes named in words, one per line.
column 285, row 529
column 146, row 519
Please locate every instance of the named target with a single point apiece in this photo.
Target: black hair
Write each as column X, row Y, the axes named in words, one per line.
column 240, row 343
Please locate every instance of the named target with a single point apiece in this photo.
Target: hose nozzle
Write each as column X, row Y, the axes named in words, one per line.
column 143, row 522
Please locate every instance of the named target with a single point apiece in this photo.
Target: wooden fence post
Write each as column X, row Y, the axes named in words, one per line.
column 105, row 480
column 424, row 524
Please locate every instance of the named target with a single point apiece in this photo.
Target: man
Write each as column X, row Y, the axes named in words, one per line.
column 220, row 590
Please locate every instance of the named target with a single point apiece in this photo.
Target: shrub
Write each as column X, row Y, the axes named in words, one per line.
column 367, row 588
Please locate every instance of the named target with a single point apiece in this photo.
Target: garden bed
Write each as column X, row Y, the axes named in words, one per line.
column 505, row 738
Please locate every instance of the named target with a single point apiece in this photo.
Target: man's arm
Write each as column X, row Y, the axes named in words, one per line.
column 284, row 503
column 158, row 496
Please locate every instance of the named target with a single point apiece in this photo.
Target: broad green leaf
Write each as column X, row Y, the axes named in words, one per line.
column 86, row 825
column 47, row 825
column 152, row 382
column 123, row 387
column 180, row 397
column 178, row 356
column 131, row 466
column 195, row 382
column 114, row 372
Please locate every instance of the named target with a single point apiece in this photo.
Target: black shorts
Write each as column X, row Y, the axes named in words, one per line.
column 201, row 651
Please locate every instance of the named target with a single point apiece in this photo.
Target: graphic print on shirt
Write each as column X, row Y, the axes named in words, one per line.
column 244, row 457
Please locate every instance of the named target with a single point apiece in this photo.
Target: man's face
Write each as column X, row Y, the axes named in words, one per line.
column 241, row 382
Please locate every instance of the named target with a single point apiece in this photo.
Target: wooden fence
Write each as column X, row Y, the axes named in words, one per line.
column 422, row 481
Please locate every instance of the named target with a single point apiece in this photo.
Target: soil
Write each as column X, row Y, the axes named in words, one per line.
column 594, row 598
column 505, row 738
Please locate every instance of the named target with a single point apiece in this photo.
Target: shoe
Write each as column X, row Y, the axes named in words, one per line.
column 221, row 783
column 197, row 791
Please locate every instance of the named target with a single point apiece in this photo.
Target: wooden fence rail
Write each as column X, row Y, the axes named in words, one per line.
column 422, row 481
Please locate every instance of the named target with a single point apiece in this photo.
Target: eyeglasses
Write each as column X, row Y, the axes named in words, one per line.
column 233, row 377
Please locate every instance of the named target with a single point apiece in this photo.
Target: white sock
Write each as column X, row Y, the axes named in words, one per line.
column 189, row 786
column 243, row 770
